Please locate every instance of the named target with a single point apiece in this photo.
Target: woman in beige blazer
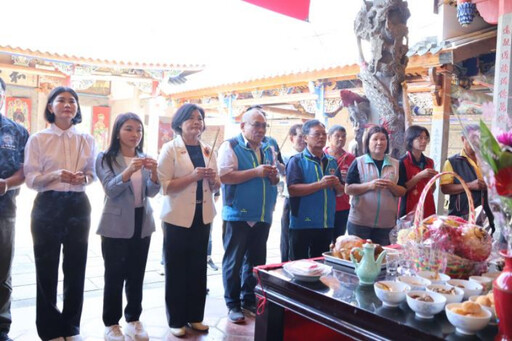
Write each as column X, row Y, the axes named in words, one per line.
column 186, row 169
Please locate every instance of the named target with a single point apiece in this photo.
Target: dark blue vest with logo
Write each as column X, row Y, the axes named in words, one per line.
column 255, row 199
column 317, row 209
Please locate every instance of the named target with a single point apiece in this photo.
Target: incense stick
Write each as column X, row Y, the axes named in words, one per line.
column 79, row 152
column 282, row 144
column 213, row 147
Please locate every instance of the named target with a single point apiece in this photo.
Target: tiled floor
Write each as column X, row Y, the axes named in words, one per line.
column 153, row 316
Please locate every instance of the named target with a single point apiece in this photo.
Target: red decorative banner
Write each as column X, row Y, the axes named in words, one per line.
column 100, row 126
column 298, row 9
column 18, row 110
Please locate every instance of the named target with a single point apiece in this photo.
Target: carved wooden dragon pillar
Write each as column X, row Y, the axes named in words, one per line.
column 383, row 23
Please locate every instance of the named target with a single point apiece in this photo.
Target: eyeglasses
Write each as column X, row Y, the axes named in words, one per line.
column 259, row 125
column 317, row 135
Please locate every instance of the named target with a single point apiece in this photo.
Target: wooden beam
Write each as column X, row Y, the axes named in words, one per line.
column 33, row 71
column 98, row 62
column 474, row 49
column 302, row 78
column 417, row 65
column 289, row 112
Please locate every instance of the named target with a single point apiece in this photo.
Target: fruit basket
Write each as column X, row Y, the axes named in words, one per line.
column 446, row 244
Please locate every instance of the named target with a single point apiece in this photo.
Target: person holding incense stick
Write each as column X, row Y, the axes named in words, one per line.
column 337, row 136
column 313, row 180
column 249, row 176
column 129, row 179
column 186, row 170
column 374, row 183
column 59, row 163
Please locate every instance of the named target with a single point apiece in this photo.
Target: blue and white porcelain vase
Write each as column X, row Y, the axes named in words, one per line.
column 466, row 12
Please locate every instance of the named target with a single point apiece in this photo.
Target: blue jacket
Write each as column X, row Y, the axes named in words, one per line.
column 253, row 200
column 317, row 209
column 118, row 217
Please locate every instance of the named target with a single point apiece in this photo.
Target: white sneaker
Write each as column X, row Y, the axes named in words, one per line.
column 74, row 338
column 57, row 339
column 136, row 331
column 114, row 333
column 178, row 332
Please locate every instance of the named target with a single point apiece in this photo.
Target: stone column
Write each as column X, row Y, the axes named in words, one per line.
column 502, row 120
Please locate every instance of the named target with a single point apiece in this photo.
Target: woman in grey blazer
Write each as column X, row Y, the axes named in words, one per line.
column 128, row 177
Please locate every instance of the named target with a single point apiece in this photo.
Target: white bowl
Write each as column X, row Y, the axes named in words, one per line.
column 426, row 310
column 450, row 298
column 470, row 288
column 486, row 282
column 464, row 324
column 492, row 309
column 431, row 276
column 394, row 296
column 415, row 282
column 492, row 275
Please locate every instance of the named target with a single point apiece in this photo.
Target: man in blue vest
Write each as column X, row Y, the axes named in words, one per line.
column 249, row 177
column 465, row 164
column 13, row 138
column 313, row 179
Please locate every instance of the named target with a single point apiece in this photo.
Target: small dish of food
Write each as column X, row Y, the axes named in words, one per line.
column 391, row 293
column 486, row 282
column 468, row 317
column 307, row 270
column 425, row 304
column 452, row 294
column 434, row 277
column 487, row 302
column 415, row 282
column 470, row 288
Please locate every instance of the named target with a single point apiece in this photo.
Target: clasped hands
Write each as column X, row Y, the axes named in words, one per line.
column 139, row 162
column 382, row 184
column 201, row 173
column 72, row 178
column 268, row 171
column 331, row 181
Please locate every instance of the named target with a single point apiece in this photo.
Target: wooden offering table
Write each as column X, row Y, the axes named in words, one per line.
column 338, row 308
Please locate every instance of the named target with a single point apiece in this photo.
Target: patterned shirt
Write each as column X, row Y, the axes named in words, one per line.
column 13, row 138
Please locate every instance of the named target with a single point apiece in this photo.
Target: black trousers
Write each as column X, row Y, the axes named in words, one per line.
column 60, row 220
column 125, row 264
column 185, row 270
column 340, row 224
column 309, row 243
column 285, row 227
column 6, row 256
column 244, row 248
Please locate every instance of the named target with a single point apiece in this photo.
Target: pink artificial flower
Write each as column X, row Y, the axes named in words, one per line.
column 505, row 138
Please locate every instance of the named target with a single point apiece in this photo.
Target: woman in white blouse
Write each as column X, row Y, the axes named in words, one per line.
column 59, row 163
column 129, row 178
column 186, row 169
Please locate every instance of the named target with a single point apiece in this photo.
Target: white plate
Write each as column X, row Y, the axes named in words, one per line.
column 288, row 267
